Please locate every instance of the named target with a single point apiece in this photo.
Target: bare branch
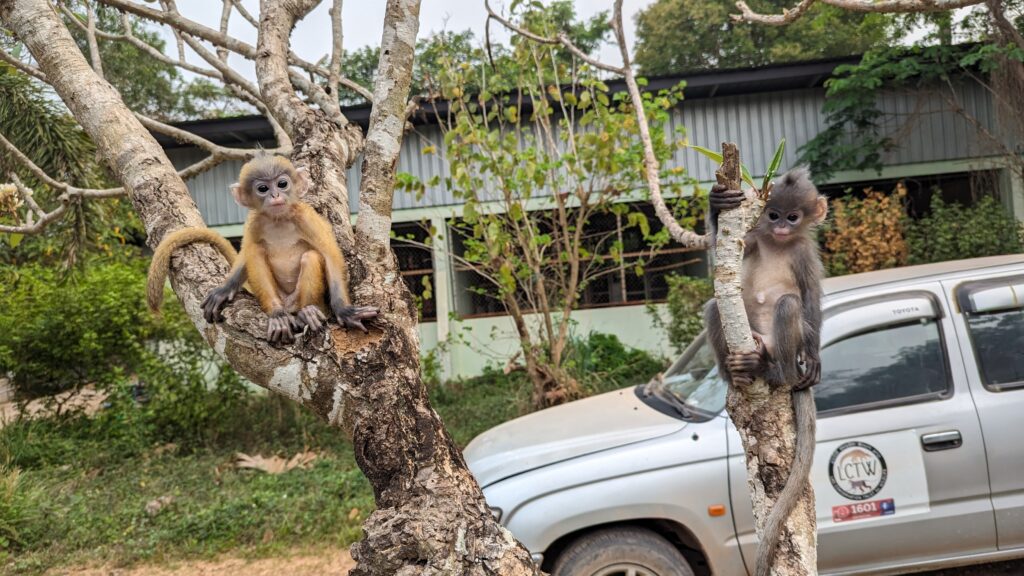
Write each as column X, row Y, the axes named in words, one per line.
column 561, row 38
column 651, row 165
column 387, row 125
column 94, row 47
column 337, row 36
column 885, row 6
column 225, row 17
column 22, row 66
column 179, row 23
column 187, row 137
column 245, row 13
column 72, row 193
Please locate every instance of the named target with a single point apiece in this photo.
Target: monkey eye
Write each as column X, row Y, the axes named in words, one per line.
column 262, row 188
column 773, row 215
column 793, row 217
column 282, row 184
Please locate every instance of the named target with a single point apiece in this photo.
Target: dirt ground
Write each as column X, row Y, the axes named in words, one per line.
column 312, row 563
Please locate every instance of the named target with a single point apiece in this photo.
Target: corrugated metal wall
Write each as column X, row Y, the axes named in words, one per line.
column 921, row 122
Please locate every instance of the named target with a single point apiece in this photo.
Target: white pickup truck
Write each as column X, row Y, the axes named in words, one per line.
column 919, row 462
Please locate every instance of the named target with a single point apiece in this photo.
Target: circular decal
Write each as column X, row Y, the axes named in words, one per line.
column 857, row 470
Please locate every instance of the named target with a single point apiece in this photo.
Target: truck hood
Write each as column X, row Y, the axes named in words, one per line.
column 563, row 432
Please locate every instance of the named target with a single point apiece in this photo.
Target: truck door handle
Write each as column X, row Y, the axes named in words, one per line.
column 942, row 441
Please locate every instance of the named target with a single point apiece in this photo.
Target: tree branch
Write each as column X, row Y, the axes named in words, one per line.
column 23, row 67
column 94, row 47
column 884, row 6
column 387, row 125
column 561, row 39
column 337, row 38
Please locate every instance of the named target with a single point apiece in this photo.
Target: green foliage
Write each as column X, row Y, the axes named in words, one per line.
column 685, row 306
column 19, row 503
column 434, row 53
column 543, row 157
column 601, row 362
column 853, row 138
column 712, row 40
column 56, row 335
column 952, row 232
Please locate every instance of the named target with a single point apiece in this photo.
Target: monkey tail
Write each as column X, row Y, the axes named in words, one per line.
column 161, row 262
column 805, row 412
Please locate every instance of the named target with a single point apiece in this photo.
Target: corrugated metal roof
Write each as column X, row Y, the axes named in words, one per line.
column 921, row 122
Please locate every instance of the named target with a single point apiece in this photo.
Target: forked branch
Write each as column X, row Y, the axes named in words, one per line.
column 790, row 15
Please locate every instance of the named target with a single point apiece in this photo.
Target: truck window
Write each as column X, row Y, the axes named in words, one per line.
column 998, row 340
column 897, row 364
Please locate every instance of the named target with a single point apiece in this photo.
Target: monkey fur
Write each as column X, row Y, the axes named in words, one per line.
column 289, row 260
column 782, row 274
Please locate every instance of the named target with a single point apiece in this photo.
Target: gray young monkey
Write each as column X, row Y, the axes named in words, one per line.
column 781, row 286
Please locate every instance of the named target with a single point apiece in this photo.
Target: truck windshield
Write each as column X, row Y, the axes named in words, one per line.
column 693, row 381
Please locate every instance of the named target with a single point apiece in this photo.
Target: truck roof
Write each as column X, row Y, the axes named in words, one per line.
column 854, row 281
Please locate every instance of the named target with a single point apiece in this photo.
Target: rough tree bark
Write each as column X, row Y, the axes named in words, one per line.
column 431, row 517
column 764, row 417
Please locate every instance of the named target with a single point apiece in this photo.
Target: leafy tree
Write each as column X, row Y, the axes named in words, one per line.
column 360, row 65
column 546, row 141
column 993, row 59
column 41, row 128
column 665, row 46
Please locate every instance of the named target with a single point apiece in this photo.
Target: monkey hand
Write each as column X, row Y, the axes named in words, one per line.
column 353, row 316
column 721, row 198
column 215, row 301
column 280, row 327
column 311, row 317
column 745, row 366
column 811, row 373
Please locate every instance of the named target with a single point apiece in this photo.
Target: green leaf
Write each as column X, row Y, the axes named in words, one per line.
column 774, row 166
column 716, row 157
column 14, row 239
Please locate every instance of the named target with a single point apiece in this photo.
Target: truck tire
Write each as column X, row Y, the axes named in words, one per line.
column 623, row 551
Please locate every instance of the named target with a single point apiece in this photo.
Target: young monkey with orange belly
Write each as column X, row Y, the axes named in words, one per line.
column 289, row 260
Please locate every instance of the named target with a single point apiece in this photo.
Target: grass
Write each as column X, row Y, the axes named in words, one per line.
column 74, row 491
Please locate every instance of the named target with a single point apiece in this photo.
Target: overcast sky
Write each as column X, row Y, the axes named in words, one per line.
column 364, row 19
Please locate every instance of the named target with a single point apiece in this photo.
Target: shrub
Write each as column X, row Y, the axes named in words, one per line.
column 952, row 232
column 57, row 334
column 601, row 362
column 866, row 234
column 685, row 307
column 17, row 510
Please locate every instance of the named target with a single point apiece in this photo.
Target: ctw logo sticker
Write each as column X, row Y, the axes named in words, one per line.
column 857, row 470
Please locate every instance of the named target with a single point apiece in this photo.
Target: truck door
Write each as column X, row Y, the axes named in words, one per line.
column 989, row 322
column 899, row 472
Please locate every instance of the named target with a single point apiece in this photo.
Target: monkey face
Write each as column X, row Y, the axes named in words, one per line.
column 273, row 195
column 784, row 225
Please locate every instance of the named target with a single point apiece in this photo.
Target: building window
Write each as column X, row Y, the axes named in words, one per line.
column 411, row 243
column 638, row 279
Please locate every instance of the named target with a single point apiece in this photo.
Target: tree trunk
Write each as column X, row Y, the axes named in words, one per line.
column 431, row 517
column 763, row 417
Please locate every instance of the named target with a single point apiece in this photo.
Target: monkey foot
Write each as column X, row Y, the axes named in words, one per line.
column 311, row 317
column 353, row 316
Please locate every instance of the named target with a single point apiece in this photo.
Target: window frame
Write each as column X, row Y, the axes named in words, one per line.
column 937, row 317
column 963, row 293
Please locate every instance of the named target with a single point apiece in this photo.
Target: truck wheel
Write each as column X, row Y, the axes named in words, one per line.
column 625, row 551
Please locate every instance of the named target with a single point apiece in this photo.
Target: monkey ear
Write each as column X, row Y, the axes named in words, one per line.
column 301, row 181
column 238, row 195
column 820, row 210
